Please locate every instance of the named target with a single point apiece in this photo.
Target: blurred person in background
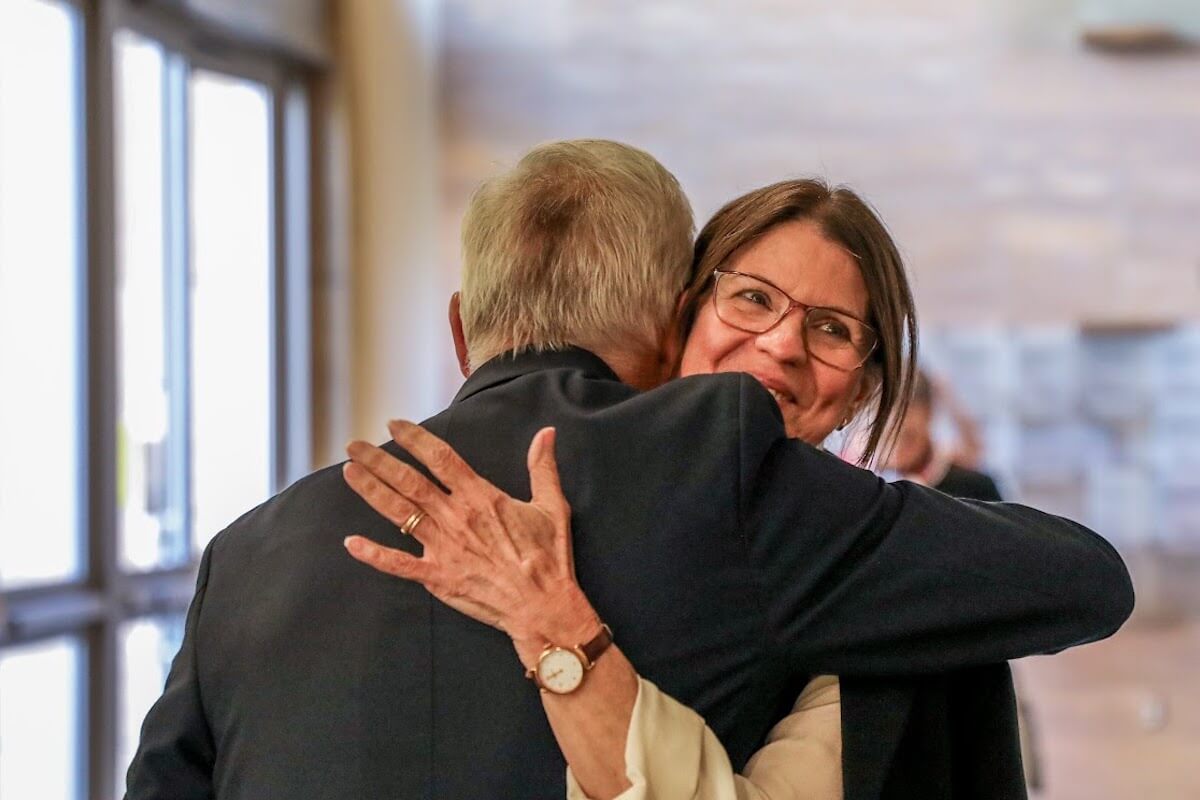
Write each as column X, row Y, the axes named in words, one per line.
column 917, row 457
column 789, row 283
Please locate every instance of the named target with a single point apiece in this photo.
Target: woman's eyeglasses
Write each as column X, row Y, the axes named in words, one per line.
column 755, row 305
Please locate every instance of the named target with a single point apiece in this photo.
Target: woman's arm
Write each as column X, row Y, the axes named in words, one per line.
column 671, row 753
column 509, row 564
column 802, row 758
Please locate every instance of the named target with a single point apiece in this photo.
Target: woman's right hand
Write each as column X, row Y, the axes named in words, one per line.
column 499, row 560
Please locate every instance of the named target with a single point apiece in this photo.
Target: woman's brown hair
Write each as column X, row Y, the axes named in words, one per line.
column 847, row 220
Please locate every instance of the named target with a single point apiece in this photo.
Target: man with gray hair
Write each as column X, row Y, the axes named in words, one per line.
column 304, row 675
column 585, row 244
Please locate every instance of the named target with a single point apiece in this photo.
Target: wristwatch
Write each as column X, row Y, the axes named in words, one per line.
column 560, row 670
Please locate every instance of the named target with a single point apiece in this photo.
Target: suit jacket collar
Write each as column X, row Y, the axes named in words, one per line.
column 504, row 368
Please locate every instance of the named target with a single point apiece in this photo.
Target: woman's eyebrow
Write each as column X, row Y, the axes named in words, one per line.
column 860, row 317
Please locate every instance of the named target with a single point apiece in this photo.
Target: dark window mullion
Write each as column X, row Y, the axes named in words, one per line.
column 101, row 419
column 158, row 593
column 46, row 611
column 276, row 290
column 69, row 608
column 279, row 289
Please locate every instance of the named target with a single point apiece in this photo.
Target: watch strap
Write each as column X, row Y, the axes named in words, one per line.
column 595, row 648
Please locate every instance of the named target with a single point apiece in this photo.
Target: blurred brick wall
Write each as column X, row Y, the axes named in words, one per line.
column 1028, row 180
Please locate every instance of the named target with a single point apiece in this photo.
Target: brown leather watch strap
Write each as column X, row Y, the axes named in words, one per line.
column 595, row 648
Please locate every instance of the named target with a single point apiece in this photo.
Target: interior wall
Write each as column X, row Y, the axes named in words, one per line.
column 385, row 281
column 1027, row 179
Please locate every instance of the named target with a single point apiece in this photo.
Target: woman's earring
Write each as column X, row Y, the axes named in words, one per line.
column 845, row 422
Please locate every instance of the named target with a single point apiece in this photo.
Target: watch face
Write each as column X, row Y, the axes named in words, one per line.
column 560, row 671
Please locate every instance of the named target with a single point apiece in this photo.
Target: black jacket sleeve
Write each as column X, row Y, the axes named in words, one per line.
column 863, row 577
column 174, row 760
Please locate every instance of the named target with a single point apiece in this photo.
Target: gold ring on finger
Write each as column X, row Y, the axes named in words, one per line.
column 410, row 524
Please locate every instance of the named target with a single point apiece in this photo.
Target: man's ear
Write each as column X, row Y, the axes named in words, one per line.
column 671, row 344
column 460, row 339
column 670, row 348
column 680, row 303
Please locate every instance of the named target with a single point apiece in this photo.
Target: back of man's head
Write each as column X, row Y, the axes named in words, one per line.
column 585, row 242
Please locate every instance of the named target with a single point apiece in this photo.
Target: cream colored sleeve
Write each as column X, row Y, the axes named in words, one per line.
column 670, row 754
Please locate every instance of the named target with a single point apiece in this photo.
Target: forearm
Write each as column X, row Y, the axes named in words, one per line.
column 591, row 724
column 671, row 753
column 802, row 759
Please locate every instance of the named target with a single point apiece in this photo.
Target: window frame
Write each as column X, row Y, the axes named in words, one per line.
column 92, row 608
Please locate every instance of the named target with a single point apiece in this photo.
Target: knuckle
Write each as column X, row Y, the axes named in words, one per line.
column 395, row 509
column 497, row 506
column 532, row 566
column 440, row 455
column 469, row 517
column 376, row 496
column 400, row 567
column 468, row 521
column 409, row 482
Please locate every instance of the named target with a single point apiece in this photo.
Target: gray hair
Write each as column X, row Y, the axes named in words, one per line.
column 585, row 242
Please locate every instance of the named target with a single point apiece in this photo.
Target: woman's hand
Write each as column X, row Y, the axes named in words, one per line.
column 494, row 558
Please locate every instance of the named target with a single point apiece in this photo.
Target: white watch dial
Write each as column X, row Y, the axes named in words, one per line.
column 560, row 671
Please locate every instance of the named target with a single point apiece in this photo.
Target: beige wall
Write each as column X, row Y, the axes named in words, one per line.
column 1027, row 180
column 383, row 293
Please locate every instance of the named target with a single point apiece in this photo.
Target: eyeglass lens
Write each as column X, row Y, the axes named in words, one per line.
column 755, row 306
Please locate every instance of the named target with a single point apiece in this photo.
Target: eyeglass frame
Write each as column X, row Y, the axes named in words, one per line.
column 793, row 304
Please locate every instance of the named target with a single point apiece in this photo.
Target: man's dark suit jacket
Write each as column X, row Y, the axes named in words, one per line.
column 937, row 737
column 730, row 562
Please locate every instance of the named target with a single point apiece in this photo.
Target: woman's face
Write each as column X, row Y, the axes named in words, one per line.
column 814, row 397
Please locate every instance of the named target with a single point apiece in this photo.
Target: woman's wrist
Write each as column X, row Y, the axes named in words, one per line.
column 564, row 618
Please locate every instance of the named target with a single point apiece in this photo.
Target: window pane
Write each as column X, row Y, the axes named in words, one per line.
column 39, row 309
column 147, row 647
column 151, row 525
column 40, row 720
column 231, row 299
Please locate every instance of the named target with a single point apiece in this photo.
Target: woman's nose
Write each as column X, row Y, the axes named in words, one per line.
column 785, row 342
